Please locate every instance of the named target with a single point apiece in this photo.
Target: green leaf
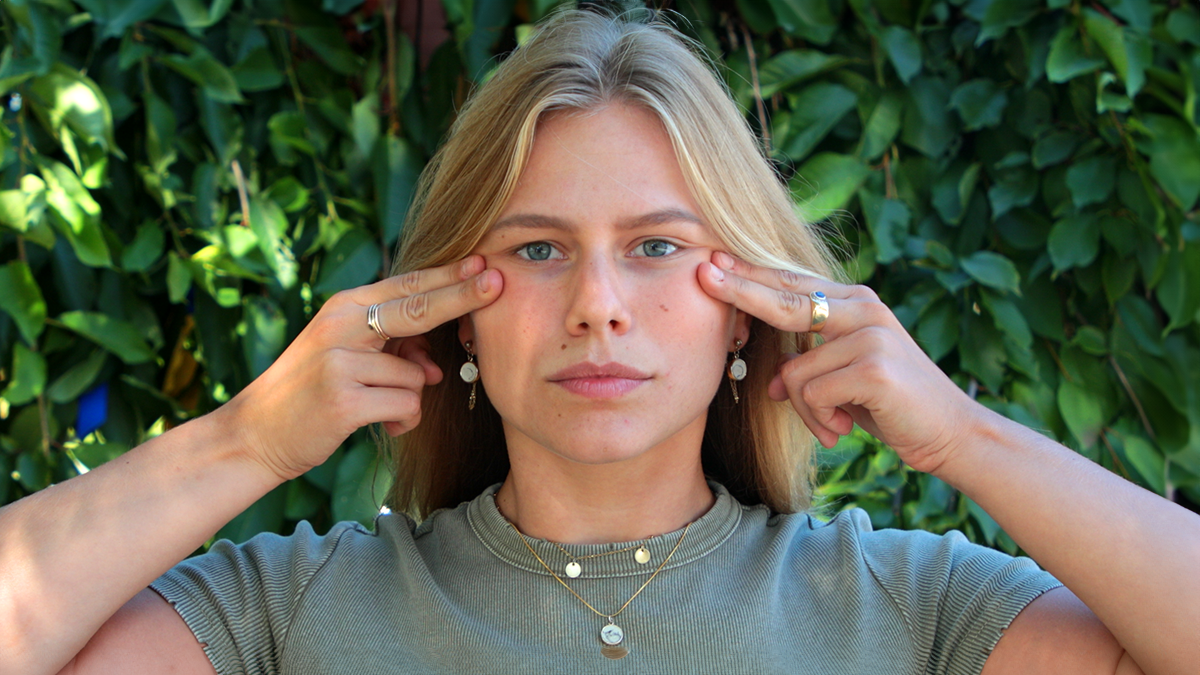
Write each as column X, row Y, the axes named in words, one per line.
column 330, row 46
column 1128, row 52
column 115, row 16
column 202, row 68
column 397, row 167
column 145, row 249
column 93, row 455
column 881, row 127
column 71, row 384
column 1081, row 410
column 303, row 500
column 793, row 66
column 928, row 124
column 937, row 332
column 1054, row 147
column 825, row 183
column 354, row 261
column 197, row 14
column 888, row 221
column 980, row 103
column 222, row 126
column 811, row 20
column 993, row 270
column 40, row 30
column 21, row 299
column 119, row 337
column 1074, row 241
column 270, row 225
column 903, row 49
column 1091, row 180
column 70, row 101
column 77, row 214
column 1118, row 274
column 257, row 71
column 1091, row 340
column 264, row 515
column 1183, row 24
column 266, row 333
column 360, row 486
column 1008, row 318
column 287, row 134
column 179, row 278
column 28, row 376
column 951, row 192
column 1147, row 460
column 160, row 132
column 1015, row 188
column 1179, row 291
column 815, row 111
column 1067, row 58
column 986, row 357
column 1004, row 14
column 1174, row 153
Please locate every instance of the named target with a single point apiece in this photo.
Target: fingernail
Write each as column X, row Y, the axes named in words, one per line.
column 469, row 265
column 724, row 260
column 484, row 281
column 718, row 273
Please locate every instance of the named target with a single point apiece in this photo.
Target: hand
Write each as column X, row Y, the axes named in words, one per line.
column 869, row 370
column 338, row 375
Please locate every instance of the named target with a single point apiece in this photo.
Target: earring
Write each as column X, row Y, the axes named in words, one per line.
column 470, row 373
column 737, row 369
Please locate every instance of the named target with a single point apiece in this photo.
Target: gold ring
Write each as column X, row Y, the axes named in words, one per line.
column 820, row 311
column 373, row 322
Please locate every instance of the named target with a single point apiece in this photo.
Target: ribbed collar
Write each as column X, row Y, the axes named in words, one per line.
column 705, row 535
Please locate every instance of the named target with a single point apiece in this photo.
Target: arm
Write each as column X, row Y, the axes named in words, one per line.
column 1129, row 555
column 75, row 552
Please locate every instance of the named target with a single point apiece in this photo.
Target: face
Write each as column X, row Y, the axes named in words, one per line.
column 602, row 345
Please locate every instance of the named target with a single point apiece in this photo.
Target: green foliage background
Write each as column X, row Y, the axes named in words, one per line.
column 1018, row 179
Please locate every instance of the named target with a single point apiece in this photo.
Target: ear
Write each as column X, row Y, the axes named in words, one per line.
column 466, row 330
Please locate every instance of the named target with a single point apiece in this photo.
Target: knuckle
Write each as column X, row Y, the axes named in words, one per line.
column 789, row 302
column 410, row 282
column 863, row 292
column 808, row 393
column 790, row 280
column 414, row 308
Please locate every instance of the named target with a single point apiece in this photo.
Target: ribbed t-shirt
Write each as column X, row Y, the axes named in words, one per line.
column 745, row 592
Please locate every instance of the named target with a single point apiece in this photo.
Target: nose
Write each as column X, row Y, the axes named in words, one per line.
column 597, row 298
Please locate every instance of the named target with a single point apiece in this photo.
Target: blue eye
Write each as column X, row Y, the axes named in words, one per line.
column 657, row 248
column 538, row 250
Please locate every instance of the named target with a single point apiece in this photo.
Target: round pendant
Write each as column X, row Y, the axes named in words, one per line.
column 573, row 569
column 469, row 372
column 642, row 555
column 737, row 369
column 612, row 635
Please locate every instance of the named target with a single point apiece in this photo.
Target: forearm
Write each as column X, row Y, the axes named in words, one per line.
column 74, row 553
column 1131, row 556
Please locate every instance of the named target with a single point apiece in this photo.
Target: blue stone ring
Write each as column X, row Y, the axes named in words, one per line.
column 820, row 311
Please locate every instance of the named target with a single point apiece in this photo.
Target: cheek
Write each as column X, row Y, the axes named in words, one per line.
column 521, row 316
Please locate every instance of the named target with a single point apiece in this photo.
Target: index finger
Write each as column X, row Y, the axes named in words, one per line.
column 418, row 281
column 422, row 312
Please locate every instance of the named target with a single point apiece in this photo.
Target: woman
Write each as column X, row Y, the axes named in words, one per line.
column 602, row 242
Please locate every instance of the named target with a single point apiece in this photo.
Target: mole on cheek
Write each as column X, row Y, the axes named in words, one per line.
column 663, row 308
column 563, row 347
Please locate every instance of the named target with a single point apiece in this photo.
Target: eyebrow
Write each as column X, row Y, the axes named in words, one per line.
column 533, row 220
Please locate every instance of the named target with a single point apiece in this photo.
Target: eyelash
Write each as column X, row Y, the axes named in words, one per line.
column 522, row 249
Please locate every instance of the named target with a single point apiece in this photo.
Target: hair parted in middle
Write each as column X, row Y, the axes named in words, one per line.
column 577, row 62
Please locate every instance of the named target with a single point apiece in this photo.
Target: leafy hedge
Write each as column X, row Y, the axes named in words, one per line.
column 183, row 182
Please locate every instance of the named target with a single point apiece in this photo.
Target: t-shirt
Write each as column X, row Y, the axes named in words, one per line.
column 746, row 591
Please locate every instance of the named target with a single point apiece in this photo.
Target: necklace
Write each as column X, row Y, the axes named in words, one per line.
column 572, row 569
column 611, row 635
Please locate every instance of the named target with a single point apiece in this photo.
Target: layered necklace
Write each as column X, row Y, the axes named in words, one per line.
column 611, row 635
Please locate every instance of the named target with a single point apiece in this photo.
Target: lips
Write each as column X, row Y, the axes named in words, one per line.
column 604, row 371
column 609, row 380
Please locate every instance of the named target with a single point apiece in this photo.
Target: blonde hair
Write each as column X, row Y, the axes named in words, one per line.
column 581, row 61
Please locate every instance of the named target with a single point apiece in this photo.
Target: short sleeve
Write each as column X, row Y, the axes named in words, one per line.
column 239, row 599
column 956, row 597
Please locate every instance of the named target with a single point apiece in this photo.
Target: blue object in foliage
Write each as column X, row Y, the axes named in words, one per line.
column 93, row 410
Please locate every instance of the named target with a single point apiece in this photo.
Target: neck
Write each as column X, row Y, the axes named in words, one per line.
column 553, row 498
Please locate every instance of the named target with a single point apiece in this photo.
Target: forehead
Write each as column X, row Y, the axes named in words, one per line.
column 614, row 164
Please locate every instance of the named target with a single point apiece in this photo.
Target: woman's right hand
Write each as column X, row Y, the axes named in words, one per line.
column 338, row 375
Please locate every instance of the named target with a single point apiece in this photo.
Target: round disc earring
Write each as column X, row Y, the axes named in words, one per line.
column 470, row 373
column 737, row 369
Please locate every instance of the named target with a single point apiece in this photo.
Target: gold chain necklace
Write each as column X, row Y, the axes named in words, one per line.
column 611, row 636
column 573, row 569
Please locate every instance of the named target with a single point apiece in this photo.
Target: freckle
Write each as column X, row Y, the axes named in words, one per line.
column 563, row 347
column 663, row 308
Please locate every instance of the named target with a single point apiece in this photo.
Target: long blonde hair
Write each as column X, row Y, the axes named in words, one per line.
column 582, row 60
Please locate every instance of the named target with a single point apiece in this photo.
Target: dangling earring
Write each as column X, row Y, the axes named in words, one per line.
column 737, row 369
column 470, row 373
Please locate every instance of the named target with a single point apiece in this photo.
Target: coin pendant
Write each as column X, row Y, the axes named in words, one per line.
column 469, row 372
column 612, row 635
column 642, row 555
column 737, row 369
column 573, row 569
column 614, row 653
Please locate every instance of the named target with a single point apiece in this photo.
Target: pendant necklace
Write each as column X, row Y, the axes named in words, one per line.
column 611, row 635
column 573, row 569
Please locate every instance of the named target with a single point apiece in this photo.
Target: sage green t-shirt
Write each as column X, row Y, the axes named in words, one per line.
column 746, row 592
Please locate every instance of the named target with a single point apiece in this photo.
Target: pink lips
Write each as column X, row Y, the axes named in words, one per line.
column 608, row 380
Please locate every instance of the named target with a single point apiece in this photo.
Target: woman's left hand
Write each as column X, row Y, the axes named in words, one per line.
column 869, row 370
